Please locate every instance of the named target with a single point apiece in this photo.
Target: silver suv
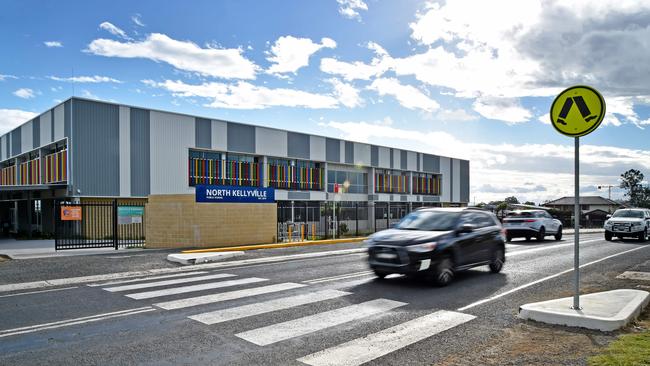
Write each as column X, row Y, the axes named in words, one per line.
column 531, row 224
column 628, row 222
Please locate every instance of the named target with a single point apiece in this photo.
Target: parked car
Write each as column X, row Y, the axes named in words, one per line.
column 628, row 222
column 436, row 242
column 531, row 224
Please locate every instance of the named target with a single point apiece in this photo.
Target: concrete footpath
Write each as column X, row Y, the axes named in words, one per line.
column 30, row 249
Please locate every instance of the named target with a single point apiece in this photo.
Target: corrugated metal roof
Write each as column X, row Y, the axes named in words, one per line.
column 584, row 200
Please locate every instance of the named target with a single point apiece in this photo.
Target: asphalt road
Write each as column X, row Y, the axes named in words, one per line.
column 318, row 310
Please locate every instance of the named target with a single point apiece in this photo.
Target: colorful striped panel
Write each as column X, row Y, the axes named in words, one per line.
column 222, row 172
column 291, row 177
column 56, row 167
column 8, row 176
column 388, row 183
column 429, row 185
column 30, row 172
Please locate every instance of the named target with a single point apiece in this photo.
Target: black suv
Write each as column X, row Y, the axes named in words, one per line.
column 437, row 242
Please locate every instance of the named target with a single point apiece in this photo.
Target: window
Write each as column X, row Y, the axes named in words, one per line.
column 211, row 167
column 387, row 181
column 295, row 174
column 427, row 184
column 349, row 182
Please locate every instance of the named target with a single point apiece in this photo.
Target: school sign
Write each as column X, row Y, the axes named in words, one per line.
column 233, row 194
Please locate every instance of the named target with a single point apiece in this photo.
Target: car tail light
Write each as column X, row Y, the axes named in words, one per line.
column 530, row 220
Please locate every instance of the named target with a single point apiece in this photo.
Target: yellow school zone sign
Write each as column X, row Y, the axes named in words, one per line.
column 577, row 111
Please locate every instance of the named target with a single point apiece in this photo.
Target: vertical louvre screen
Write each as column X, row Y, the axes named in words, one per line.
column 427, row 185
column 223, row 172
column 295, row 177
column 56, row 167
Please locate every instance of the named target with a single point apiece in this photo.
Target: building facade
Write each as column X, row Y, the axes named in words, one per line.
column 86, row 150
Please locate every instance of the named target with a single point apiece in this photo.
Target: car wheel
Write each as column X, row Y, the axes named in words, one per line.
column 497, row 261
column 528, row 238
column 608, row 236
column 643, row 236
column 443, row 272
column 558, row 235
column 541, row 234
column 380, row 275
column 508, row 238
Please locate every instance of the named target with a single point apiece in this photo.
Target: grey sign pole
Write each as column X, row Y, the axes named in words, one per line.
column 576, row 226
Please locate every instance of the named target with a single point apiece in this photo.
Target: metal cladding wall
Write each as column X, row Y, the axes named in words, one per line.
column 95, row 148
column 122, row 151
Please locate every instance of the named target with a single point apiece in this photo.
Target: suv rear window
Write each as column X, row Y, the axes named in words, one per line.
column 521, row 214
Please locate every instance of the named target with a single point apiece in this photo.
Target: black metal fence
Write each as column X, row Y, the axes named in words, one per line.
column 99, row 225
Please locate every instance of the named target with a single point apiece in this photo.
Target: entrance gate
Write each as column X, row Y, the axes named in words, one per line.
column 98, row 225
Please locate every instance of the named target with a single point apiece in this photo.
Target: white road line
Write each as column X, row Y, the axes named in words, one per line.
column 370, row 347
column 146, row 279
column 38, row 292
column 221, row 265
column 309, row 324
column 194, row 288
column 524, row 251
column 339, row 277
column 245, row 311
column 69, row 322
column 544, row 279
column 225, row 296
column 168, row 282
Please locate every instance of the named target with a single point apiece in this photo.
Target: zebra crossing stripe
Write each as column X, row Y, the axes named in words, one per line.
column 245, row 311
column 225, row 296
column 309, row 324
column 146, row 279
column 193, row 288
column 370, row 347
column 167, row 282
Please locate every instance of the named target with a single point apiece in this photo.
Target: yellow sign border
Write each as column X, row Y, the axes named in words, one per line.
column 590, row 130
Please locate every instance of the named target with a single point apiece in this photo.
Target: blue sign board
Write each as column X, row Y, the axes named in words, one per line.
column 223, row 194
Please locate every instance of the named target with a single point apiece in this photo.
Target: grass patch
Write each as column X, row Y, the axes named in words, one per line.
column 628, row 350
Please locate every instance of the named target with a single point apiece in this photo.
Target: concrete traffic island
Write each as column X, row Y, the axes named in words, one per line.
column 198, row 258
column 605, row 311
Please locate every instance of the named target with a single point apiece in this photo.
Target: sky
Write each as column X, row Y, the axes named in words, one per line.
column 464, row 78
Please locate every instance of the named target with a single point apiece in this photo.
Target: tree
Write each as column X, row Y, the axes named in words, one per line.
column 631, row 183
column 511, row 200
column 501, row 207
column 530, row 203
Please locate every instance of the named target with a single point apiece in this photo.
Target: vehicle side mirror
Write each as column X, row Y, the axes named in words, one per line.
column 609, row 216
column 555, row 217
column 466, row 228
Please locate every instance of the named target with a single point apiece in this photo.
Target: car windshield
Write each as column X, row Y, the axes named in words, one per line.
column 628, row 213
column 429, row 221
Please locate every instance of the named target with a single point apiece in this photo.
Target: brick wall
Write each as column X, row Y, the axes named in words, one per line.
column 176, row 221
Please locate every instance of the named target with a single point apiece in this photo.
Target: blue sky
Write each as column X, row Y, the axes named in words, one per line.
column 466, row 79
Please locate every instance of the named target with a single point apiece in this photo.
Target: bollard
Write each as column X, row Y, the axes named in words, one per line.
column 302, row 232
column 290, row 233
column 313, row 231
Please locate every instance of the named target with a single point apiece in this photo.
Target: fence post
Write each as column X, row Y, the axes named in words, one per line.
column 356, row 217
column 115, row 238
column 57, row 210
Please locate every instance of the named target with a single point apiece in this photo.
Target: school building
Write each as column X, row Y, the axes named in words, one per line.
column 94, row 151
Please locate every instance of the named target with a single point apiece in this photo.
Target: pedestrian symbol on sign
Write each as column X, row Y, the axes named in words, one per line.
column 577, row 111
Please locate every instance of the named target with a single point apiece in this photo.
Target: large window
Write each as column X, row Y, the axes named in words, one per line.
column 211, row 167
column 349, row 182
column 387, row 181
column 295, row 174
column 428, row 184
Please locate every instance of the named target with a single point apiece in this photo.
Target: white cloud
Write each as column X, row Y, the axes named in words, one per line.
column 87, row 94
column 350, row 8
column 5, row 77
column 455, row 115
column 507, row 166
column 502, row 109
column 12, row 118
column 53, row 44
column 86, row 79
column 112, row 29
column 183, row 55
column 359, row 70
column 407, row 95
column 545, row 119
column 24, row 93
column 347, row 94
column 136, row 19
column 244, row 95
column 289, row 53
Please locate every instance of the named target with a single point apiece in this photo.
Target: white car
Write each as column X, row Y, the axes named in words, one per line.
column 628, row 222
column 531, row 224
